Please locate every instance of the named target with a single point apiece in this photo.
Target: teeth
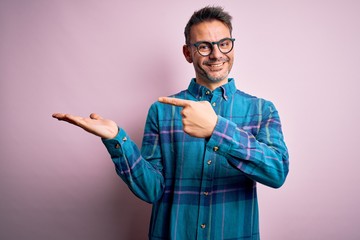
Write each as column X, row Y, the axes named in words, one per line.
column 216, row 65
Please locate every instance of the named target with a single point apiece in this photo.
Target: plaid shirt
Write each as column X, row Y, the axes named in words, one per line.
column 204, row 188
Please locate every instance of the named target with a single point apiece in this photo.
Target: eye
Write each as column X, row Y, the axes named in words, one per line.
column 225, row 43
column 204, row 46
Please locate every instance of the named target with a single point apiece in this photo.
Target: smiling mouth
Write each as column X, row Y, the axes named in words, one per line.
column 216, row 66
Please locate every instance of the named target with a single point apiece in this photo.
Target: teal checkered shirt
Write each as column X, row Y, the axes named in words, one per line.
column 204, row 188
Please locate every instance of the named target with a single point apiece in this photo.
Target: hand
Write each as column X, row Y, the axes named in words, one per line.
column 199, row 118
column 96, row 125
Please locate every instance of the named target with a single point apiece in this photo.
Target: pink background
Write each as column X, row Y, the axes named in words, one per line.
column 58, row 182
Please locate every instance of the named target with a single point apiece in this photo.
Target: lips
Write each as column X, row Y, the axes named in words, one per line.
column 215, row 66
column 216, row 63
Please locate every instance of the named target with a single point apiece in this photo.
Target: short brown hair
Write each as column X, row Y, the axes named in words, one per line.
column 207, row 14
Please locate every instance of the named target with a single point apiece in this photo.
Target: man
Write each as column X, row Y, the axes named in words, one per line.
column 204, row 148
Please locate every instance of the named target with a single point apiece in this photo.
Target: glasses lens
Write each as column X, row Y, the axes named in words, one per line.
column 225, row 45
column 204, row 48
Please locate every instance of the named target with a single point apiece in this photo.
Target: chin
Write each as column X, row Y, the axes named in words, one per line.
column 216, row 79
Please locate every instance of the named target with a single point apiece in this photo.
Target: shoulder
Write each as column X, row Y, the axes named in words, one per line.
column 258, row 104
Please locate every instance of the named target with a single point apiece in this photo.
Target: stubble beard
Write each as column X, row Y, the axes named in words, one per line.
column 213, row 79
column 206, row 75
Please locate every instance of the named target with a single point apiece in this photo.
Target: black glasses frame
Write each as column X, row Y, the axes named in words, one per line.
column 197, row 44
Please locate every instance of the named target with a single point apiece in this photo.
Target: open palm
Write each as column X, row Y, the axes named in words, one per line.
column 94, row 124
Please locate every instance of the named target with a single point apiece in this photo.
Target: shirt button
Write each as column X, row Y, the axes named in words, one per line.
column 206, row 193
column 124, row 139
column 203, row 226
column 117, row 146
column 209, row 162
column 214, row 104
column 207, row 92
column 216, row 149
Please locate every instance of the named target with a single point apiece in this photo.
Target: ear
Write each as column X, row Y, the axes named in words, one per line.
column 187, row 53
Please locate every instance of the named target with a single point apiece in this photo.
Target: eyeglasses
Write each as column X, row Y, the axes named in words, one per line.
column 204, row 48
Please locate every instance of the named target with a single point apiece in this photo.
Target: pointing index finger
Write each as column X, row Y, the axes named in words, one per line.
column 174, row 101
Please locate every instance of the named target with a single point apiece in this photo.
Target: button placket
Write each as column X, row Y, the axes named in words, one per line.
column 206, row 193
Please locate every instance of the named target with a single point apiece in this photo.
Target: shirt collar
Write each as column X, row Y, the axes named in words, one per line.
column 226, row 90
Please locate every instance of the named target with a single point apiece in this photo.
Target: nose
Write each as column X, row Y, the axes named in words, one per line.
column 215, row 53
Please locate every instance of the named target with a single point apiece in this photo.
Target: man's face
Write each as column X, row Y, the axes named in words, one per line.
column 213, row 70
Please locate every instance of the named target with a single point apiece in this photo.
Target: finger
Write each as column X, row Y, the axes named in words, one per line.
column 59, row 116
column 67, row 118
column 174, row 101
column 95, row 116
column 55, row 115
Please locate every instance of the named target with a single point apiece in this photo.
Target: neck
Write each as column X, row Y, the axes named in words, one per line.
column 211, row 85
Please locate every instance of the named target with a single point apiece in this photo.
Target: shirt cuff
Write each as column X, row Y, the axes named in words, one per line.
column 222, row 136
column 116, row 145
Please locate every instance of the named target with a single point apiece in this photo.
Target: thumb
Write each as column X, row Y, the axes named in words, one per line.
column 95, row 116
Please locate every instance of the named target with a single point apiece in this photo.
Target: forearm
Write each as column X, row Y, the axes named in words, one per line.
column 264, row 157
column 143, row 179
